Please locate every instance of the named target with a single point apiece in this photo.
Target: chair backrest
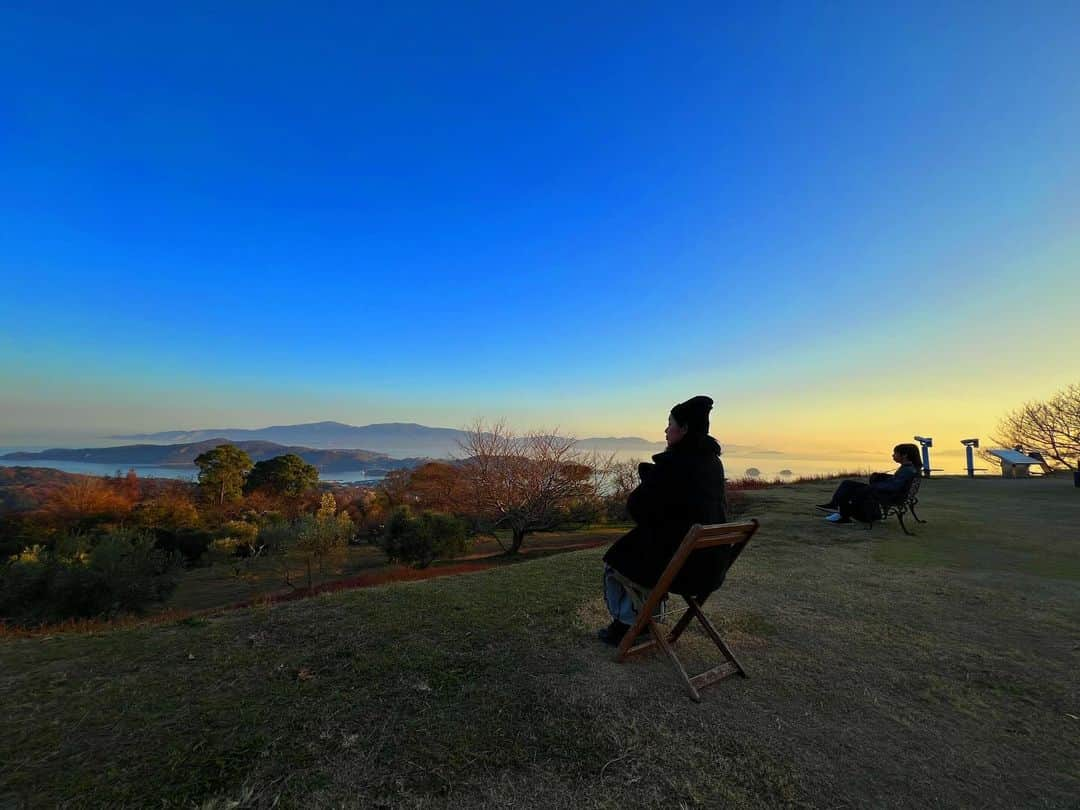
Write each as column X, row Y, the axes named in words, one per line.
column 718, row 534
column 901, row 497
column 699, row 537
column 913, row 487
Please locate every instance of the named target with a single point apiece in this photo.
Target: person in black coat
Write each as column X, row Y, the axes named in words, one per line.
column 860, row 499
column 682, row 486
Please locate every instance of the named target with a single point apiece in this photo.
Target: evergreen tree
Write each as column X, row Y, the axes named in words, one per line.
column 222, row 472
column 283, row 475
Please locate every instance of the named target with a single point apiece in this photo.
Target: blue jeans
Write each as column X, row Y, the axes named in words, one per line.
column 618, row 600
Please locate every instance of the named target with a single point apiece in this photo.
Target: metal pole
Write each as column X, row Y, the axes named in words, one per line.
column 926, row 443
column 970, row 444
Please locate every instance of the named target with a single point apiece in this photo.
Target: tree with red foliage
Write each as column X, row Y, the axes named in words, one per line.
column 394, row 488
column 172, row 507
column 438, row 486
column 130, row 488
column 85, row 503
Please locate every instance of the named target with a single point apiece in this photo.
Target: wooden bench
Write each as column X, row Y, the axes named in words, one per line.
column 648, row 603
column 901, row 505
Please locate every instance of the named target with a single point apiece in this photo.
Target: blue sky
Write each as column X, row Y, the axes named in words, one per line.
column 252, row 213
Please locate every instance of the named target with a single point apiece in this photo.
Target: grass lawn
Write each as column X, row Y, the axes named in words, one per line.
column 939, row 670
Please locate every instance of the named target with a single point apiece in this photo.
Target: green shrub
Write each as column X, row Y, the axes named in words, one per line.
column 76, row 590
column 229, row 546
column 322, row 534
column 277, row 537
column 419, row 540
column 240, row 537
column 122, row 571
column 24, row 580
column 190, row 543
column 325, row 530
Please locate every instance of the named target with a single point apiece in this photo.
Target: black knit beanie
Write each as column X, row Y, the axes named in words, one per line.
column 693, row 414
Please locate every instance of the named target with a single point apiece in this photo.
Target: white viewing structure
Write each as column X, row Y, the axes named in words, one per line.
column 1015, row 464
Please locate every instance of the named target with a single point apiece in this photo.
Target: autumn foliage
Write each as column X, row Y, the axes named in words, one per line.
column 87, row 502
column 77, row 545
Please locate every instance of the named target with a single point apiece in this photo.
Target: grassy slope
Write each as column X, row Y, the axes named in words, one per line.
column 938, row 670
column 216, row 587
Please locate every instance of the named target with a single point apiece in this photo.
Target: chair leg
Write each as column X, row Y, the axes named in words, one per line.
column 642, row 600
column 900, row 517
column 682, row 624
column 627, row 647
column 715, row 636
column 680, row 670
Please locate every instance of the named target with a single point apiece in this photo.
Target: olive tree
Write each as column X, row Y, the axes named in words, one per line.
column 319, row 535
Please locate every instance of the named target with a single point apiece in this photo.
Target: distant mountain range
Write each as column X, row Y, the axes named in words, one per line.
column 395, row 439
column 330, row 446
column 183, row 455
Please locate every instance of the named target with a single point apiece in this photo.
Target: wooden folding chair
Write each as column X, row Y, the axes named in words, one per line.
column 648, row 601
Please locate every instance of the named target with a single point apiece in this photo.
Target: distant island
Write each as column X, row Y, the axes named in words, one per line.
column 184, row 454
column 396, row 439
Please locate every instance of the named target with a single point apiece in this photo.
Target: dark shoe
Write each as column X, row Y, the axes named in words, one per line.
column 613, row 633
column 828, row 507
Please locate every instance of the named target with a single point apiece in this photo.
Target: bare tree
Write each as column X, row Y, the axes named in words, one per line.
column 538, row 481
column 395, row 488
column 623, row 478
column 1051, row 428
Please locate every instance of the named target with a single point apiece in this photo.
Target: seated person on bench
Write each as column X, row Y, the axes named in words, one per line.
column 684, row 485
column 883, row 487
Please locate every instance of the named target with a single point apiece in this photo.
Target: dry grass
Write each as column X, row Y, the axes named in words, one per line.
column 91, row 625
column 938, row 670
column 211, row 590
column 744, row 483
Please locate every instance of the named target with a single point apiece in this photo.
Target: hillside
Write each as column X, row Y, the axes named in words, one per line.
column 885, row 671
column 24, row 488
column 182, row 455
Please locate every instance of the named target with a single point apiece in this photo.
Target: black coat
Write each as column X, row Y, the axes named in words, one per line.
column 891, row 487
column 684, row 486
